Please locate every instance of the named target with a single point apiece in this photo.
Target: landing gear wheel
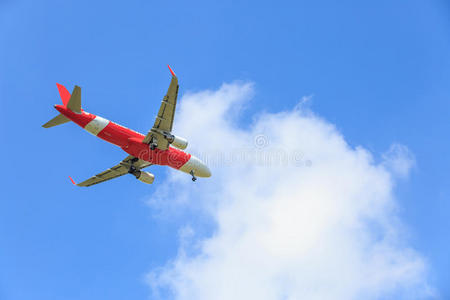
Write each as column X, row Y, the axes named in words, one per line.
column 132, row 170
column 153, row 143
column 193, row 176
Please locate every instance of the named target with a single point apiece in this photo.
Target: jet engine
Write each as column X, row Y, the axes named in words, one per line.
column 145, row 177
column 177, row 141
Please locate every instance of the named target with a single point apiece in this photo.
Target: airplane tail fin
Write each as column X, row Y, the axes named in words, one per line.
column 72, row 102
column 58, row 120
column 64, row 93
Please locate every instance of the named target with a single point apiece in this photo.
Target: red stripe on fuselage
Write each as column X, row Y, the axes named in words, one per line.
column 130, row 141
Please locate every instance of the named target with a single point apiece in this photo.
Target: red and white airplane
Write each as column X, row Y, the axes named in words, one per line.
column 158, row 147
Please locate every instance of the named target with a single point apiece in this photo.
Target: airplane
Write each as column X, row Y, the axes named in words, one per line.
column 159, row 147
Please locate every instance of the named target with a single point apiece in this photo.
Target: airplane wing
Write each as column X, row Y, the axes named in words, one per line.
column 116, row 171
column 164, row 118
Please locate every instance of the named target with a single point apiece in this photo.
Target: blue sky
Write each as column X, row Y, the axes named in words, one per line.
column 378, row 70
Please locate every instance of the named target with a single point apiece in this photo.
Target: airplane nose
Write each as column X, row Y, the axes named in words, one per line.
column 203, row 171
column 199, row 168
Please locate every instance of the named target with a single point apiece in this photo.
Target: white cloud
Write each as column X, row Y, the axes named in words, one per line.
column 399, row 160
column 299, row 214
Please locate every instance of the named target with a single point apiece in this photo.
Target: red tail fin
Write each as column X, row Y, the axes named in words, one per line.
column 64, row 93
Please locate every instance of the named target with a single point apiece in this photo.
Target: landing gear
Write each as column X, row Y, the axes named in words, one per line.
column 132, row 170
column 136, row 172
column 193, row 176
column 153, row 143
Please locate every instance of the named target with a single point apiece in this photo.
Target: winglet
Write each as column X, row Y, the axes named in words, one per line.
column 171, row 71
column 72, row 180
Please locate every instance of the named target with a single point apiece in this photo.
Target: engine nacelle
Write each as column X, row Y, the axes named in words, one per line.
column 145, row 177
column 178, row 142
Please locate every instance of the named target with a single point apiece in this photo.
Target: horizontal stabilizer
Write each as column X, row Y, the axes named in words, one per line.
column 74, row 103
column 58, row 120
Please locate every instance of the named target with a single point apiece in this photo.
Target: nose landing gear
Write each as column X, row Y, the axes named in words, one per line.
column 193, row 176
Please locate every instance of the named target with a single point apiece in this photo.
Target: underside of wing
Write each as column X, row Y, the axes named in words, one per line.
column 111, row 173
column 124, row 167
column 164, row 119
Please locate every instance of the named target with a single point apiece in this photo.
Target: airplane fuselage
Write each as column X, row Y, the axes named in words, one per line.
column 131, row 142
